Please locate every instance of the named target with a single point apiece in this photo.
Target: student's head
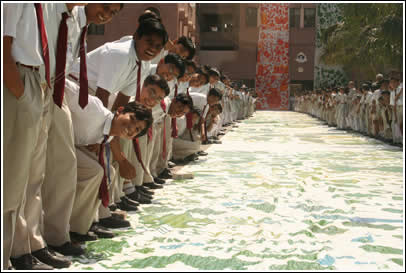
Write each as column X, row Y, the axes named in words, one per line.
column 154, row 90
column 214, row 96
column 384, row 98
column 190, row 68
column 101, row 13
column 181, row 105
column 150, row 38
column 154, row 11
column 131, row 120
column 395, row 77
column 215, row 109
column 351, row 84
column 196, row 114
column 172, row 66
column 185, row 48
column 214, row 75
column 379, row 77
column 385, row 84
column 199, row 78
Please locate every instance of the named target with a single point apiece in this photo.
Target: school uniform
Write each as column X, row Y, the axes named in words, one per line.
column 92, row 125
column 22, row 117
column 30, row 226
column 61, row 163
column 398, row 112
column 165, row 148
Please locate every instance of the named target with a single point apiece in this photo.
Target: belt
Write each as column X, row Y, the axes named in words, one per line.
column 73, row 77
column 36, row 68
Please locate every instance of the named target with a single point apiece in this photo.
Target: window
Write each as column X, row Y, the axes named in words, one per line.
column 217, row 23
column 95, row 29
column 251, row 17
column 294, row 20
column 309, row 17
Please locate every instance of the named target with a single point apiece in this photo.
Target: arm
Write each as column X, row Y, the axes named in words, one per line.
column 127, row 170
column 121, row 100
column 103, row 95
column 11, row 75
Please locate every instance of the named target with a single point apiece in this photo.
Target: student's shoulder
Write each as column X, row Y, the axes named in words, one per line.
column 120, row 47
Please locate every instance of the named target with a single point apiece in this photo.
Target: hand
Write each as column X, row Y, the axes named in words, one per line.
column 126, row 169
column 94, row 148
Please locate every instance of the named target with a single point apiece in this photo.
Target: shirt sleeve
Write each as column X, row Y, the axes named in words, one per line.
column 111, row 65
column 12, row 13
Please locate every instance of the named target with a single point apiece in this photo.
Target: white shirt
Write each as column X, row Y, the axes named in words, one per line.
column 172, row 85
column 74, row 33
column 182, row 87
column 181, row 125
column 90, row 124
column 204, row 89
column 52, row 17
column 113, row 67
column 200, row 102
column 20, row 22
column 393, row 95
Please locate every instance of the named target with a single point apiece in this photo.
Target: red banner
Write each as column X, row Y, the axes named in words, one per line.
column 272, row 76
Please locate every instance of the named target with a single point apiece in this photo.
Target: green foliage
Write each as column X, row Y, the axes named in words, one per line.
column 369, row 37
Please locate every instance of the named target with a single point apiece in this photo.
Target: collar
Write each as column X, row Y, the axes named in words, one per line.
column 107, row 126
column 61, row 8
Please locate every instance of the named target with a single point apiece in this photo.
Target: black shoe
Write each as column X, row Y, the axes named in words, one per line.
column 221, row 134
column 165, row 174
column 101, row 232
column 217, row 142
column 29, row 262
column 113, row 222
column 202, row 153
column 159, row 180
column 117, row 215
column 192, row 157
column 180, row 162
column 50, row 258
column 68, row 249
column 171, row 164
column 153, row 185
column 113, row 207
column 127, row 205
column 144, row 190
column 77, row 237
column 136, row 196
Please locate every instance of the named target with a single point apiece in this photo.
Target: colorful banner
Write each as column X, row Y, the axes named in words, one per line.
column 272, row 75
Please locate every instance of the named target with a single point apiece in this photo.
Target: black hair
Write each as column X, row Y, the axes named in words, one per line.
column 152, row 26
column 215, row 92
column 196, row 110
column 219, row 107
column 158, row 81
column 213, row 72
column 385, row 93
column 202, row 72
column 185, row 100
column 154, row 10
column 190, row 63
column 177, row 61
column 148, row 15
column 189, row 45
column 141, row 113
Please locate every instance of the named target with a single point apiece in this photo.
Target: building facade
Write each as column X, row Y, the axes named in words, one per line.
column 179, row 19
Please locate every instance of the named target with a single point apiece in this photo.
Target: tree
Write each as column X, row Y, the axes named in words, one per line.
column 369, row 36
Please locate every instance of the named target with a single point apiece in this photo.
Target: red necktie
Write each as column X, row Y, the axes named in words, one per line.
column 163, row 106
column 59, row 85
column 138, row 94
column 84, row 87
column 103, row 190
column 44, row 41
column 174, row 125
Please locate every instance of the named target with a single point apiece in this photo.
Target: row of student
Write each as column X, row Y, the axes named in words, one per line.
column 374, row 109
column 85, row 134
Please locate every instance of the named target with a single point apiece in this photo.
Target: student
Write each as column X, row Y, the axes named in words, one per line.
column 95, row 125
column 187, row 144
column 183, row 46
column 154, row 90
column 385, row 115
column 203, row 102
column 396, row 102
column 183, row 82
column 32, row 19
column 61, row 163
